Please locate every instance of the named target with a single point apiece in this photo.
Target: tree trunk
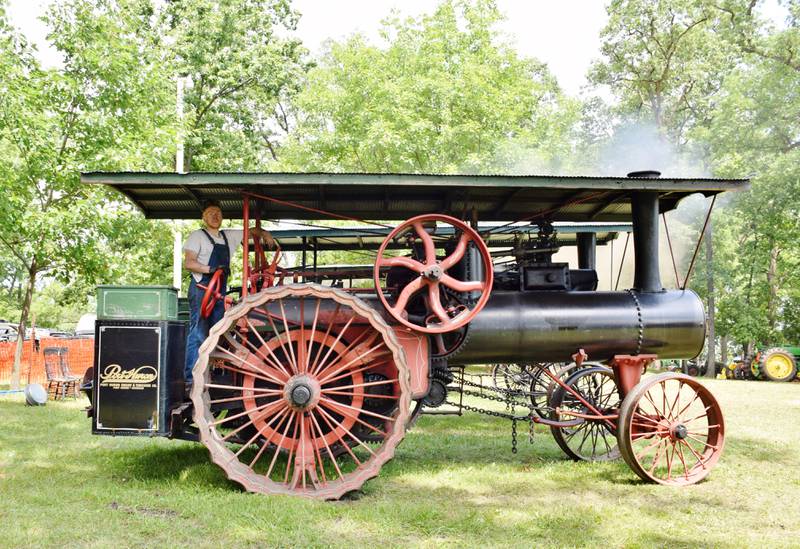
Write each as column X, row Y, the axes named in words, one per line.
column 711, row 354
column 772, row 304
column 723, row 343
column 23, row 320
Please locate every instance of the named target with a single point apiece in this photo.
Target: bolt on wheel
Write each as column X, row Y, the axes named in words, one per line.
column 671, row 430
column 318, row 382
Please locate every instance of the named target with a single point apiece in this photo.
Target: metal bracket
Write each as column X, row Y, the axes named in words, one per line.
column 628, row 370
column 177, row 418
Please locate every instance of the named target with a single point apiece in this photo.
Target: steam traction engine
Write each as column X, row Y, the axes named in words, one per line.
column 310, row 380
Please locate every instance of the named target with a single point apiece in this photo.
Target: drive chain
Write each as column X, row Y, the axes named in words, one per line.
column 508, row 398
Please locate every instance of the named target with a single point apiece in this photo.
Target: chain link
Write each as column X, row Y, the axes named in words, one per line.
column 509, row 392
column 514, row 436
column 509, row 397
column 530, row 432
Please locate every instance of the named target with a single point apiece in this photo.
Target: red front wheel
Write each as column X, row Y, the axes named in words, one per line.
column 671, row 429
column 430, row 287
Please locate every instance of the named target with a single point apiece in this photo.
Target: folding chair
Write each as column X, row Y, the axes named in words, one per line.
column 70, row 380
column 56, row 383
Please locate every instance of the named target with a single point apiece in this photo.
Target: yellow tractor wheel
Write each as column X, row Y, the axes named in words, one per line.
column 778, row 365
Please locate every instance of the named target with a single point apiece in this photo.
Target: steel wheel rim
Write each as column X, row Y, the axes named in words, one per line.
column 312, row 447
column 540, row 387
column 563, row 373
column 671, row 430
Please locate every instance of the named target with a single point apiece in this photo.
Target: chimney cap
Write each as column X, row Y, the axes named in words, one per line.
column 647, row 174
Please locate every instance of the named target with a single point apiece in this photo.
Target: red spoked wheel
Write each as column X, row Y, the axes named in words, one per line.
column 428, row 296
column 212, row 294
column 263, row 273
column 671, row 430
column 315, row 391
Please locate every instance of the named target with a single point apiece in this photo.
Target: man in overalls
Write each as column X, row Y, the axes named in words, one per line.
column 205, row 251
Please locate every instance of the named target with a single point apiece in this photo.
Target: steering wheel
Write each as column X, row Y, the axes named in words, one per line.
column 212, row 294
column 430, row 274
column 262, row 270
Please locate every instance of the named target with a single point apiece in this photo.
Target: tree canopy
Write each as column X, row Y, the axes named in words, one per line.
column 443, row 93
column 242, row 72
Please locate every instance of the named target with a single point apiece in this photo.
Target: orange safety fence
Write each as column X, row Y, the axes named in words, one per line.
column 80, row 356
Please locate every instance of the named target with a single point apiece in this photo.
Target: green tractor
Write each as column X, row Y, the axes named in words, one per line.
column 776, row 363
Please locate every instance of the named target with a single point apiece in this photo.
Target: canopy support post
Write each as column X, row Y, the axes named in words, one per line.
column 587, row 247
column 246, row 239
column 305, row 258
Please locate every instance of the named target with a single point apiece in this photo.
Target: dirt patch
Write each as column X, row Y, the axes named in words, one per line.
column 144, row 511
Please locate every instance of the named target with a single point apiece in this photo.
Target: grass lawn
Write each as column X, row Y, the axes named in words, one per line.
column 454, row 483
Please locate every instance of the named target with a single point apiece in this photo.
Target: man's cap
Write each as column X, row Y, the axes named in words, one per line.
column 210, row 204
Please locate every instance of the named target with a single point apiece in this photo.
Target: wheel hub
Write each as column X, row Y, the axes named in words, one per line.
column 302, row 392
column 679, row 431
column 301, row 395
column 433, row 272
column 779, row 366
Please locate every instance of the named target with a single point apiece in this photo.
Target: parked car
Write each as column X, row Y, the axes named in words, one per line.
column 8, row 331
column 56, row 333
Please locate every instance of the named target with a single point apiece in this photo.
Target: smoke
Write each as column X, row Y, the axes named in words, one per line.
column 638, row 146
column 633, row 146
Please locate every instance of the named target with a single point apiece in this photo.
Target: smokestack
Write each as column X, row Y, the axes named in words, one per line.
column 644, row 211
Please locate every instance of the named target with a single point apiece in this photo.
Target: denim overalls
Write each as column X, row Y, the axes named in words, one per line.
column 198, row 326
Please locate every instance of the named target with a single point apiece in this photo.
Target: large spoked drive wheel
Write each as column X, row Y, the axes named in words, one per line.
column 429, row 290
column 671, row 430
column 317, row 380
column 594, row 439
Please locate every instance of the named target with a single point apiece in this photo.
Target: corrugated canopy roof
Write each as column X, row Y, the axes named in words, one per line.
column 401, row 196
column 370, row 237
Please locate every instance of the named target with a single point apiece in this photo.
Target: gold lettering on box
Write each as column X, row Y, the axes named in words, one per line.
column 116, row 377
